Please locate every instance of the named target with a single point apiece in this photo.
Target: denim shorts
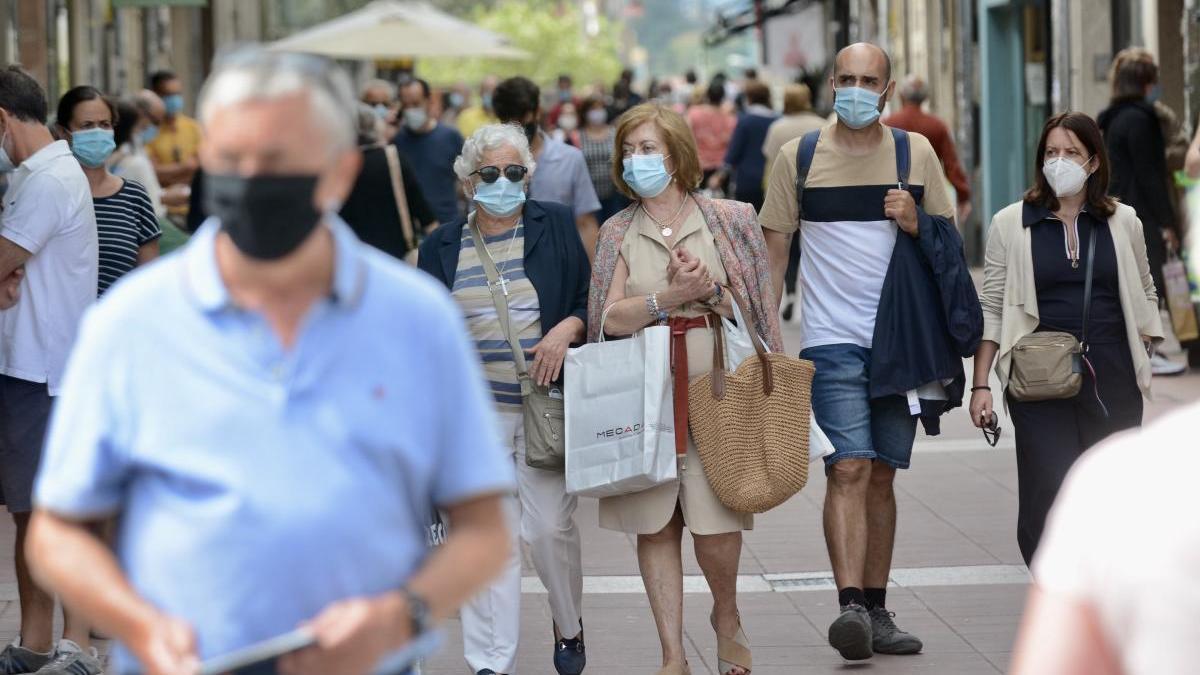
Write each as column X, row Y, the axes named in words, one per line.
column 858, row 426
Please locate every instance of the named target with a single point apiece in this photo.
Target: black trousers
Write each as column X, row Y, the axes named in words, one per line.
column 1051, row 435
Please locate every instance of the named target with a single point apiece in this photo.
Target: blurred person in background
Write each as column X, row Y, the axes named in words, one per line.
column 744, row 163
column 482, row 112
column 543, row 275
column 913, row 93
column 1034, row 278
column 563, row 177
column 298, row 350
column 1134, row 138
column 566, row 129
column 154, row 110
column 125, row 222
column 623, row 95
column 597, row 143
column 454, row 101
column 431, row 148
column 381, row 96
column 175, row 148
column 129, row 160
column 48, row 254
column 713, row 126
column 563, row 94
column 371, row 209
column 798, row 119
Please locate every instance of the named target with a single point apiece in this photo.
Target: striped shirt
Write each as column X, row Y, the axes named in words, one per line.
column 125, row 222
column 471, row 292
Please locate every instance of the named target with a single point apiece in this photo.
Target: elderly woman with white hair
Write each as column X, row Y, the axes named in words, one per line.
column 542, row 274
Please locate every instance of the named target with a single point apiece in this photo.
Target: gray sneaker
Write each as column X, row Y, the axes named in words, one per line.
column 887, row 638
column 850, row 634
column 17, row 660
column 69, row 659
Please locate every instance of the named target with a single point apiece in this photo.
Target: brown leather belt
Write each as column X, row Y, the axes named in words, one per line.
column 679, row 365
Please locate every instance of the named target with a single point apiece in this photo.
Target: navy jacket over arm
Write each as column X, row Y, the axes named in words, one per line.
column 555, row 260
column 929, row 318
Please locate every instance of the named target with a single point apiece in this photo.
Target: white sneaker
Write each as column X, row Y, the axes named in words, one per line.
column 1164, row 367
column 69, row 659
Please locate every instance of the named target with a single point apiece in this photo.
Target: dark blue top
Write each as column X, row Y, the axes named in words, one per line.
column 1060, row 286
column 555, row 260
column 745, row 155
column 433, row 154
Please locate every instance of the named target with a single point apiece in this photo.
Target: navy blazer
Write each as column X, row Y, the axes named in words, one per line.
column 555, row 260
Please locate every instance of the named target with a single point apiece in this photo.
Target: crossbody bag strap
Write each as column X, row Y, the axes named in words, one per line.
column 401, row 197
column 804, row 159
column 1087, row 287
column 501, row 303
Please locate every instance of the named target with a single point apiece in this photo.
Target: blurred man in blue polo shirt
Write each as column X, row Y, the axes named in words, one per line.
column 332, row 397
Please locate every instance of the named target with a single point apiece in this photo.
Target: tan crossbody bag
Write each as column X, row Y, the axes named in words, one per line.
column 542, row 407
column 406, row 225
column 1049, row 365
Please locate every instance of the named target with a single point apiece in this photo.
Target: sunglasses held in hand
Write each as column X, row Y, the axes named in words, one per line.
column 991, row 430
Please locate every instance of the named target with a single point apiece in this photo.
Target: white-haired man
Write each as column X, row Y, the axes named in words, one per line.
column 327, row 386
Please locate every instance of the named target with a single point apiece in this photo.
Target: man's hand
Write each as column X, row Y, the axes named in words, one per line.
column 10, row 289
column 900, row 207
column 352, row 637
column 166, row 646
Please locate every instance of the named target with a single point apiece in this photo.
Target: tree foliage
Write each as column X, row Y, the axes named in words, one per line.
column 553, row 34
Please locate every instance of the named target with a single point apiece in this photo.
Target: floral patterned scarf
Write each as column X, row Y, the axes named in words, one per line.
column 742, row 250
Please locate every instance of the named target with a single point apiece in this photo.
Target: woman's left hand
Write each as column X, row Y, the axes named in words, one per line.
column 549, row 354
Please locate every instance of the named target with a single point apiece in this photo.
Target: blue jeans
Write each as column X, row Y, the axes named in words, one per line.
column 859, row 427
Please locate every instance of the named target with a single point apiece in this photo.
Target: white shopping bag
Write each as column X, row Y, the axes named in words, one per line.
column 738, row 348
column 619, row 415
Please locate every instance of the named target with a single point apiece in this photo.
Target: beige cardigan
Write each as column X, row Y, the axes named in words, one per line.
column 1009, row 296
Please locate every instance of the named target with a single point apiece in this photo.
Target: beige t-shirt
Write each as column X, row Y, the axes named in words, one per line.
column 1123, row 532
column 846, row 241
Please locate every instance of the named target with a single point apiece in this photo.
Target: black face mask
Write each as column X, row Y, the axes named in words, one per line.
column 267, row 216
column 531, row 130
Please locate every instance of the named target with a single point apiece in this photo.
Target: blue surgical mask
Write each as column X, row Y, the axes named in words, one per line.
column 149, row 133
column 455, row 99
column 1155, row 94
column 501, row 198
column 856, row 107
column 92, row 147
column 6, row 163
column 486, row 101
column 647, row 175
column 173, row 104
column 381, row 111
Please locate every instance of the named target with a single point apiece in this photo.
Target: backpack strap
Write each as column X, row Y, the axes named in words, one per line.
column 903, row 156
column 804, row 159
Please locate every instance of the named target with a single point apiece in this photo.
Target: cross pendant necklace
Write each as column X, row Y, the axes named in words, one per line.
column 501, row 280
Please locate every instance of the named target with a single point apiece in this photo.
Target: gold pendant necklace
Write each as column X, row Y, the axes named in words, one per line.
column 667, row 229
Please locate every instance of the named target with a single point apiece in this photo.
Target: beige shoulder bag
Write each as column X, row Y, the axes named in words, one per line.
column 406, row 226
column 1049, row 365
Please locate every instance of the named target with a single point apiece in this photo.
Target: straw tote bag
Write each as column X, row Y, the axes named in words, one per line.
column 751, row 426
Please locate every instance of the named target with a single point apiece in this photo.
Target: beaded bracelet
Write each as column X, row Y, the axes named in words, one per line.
column 656, row 313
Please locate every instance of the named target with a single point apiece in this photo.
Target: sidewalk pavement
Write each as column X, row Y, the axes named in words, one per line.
column 958, row 581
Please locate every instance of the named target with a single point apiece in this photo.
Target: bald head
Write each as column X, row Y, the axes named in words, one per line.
column 863, row 59
column 913, row 90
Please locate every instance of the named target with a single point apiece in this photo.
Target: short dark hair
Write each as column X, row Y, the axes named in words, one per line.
column 690, row 76
column 716, row 92
column 757, row 92
column 1088, row 133
column 128, row 115
column 515, row 98
column 590, row 102
column 21, row 96
column 160, row 77
column 751, row 73
column 77, row 95
column 425, row 90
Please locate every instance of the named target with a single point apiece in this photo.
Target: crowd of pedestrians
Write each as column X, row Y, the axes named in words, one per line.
column 340, row 401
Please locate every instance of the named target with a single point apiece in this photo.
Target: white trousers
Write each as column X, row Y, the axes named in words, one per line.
column 543, row 515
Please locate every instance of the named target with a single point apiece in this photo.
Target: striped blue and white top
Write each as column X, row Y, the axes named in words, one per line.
column 471, row 292
column 125, row 221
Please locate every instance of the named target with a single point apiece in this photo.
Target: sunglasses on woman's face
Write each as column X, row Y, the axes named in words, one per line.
column 991, row 430
column 515, row 173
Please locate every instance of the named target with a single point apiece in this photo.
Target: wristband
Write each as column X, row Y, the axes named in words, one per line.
column 982, row 386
